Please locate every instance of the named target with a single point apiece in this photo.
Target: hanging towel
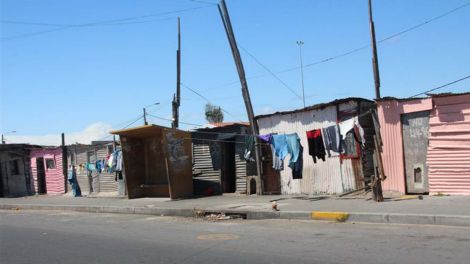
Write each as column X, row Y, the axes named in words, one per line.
column 331, row 139
column 278, row 164
column 280, row 145
column 316, row 149
column 280, row 151
column 90, row 166
column 119, row 161
column 110, row 161
column 293, row 147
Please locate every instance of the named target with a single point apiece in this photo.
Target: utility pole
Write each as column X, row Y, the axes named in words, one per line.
column 176, row 99
column 375, row 61
column 3, row 137
column 64, row 161
column 246, row 95
column 300, row 43
column 145, row 116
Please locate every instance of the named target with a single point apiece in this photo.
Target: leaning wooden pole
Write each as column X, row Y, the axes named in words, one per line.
column 375, row 60
column 245, row 92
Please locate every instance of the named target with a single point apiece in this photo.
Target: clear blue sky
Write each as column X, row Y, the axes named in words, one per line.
column 65, row 80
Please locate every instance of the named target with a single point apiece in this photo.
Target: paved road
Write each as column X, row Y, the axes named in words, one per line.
column 70, row 237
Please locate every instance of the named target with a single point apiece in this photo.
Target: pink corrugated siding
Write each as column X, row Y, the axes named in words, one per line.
column 55, row 182
column 389, row 113
column 449, row 145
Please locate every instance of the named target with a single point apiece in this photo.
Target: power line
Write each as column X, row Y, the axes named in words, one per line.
column 381, row 40
column 133, row 122
column 105, row 22
column 207, row 100
column 170, row 120
column 79, row 26
column 344, row 54
column 442, row 86
column 271, row 72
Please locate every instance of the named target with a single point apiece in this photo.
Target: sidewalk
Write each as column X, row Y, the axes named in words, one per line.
column 446, row 210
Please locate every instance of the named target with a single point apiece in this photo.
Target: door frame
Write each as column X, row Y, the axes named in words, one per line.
column 41, row 177
column 426, row 180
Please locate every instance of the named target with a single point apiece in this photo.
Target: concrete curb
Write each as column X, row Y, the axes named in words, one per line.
column 350, row 217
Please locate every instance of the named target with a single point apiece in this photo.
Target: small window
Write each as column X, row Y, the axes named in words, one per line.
column 350, row 146
column 50, row 164
column 14, row 167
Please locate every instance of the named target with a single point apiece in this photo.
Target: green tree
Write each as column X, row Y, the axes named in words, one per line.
column 214, row 113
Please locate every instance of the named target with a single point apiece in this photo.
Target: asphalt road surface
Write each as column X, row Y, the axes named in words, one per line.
column 70, row 237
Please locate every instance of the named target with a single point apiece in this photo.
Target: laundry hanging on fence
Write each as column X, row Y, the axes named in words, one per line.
column 316, row 149
column 331, row 139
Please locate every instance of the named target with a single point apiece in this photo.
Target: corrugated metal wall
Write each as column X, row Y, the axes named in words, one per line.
column 241, row 168
column 389, row 113
column 55, row 181
column 328, row 176
column 106, row 180
column 205, row 168
column 103, row 182
column 82, row 177
column 449, row 145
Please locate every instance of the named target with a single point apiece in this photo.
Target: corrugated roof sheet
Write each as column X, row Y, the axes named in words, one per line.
column 316, row 106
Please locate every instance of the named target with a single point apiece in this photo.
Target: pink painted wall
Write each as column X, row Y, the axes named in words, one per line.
column 55, row 182
column 449, row 145
column 389, row 113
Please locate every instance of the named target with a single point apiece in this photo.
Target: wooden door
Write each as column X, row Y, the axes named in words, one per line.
column 271, row 177
column 415, row 127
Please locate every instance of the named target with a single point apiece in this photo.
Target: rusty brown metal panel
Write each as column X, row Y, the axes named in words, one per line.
column 179, row 160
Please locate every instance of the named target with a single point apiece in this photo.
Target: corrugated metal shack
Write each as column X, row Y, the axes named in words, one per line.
column 157, row 161
column 102, row 182
column 404, row 128
column 449, row 145
column 336, row 174
column 47, row 170
column 15, row 170
column 218, row 163
column 426, row 144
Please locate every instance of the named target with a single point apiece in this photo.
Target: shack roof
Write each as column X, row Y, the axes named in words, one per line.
column 317, row 106
column 140, row 131
column 18, row 145
column 225, row 124
column 429, row 95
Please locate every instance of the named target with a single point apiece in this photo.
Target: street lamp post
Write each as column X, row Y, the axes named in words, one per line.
column 300, row 43
column 3, row 138
column 145, row 112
